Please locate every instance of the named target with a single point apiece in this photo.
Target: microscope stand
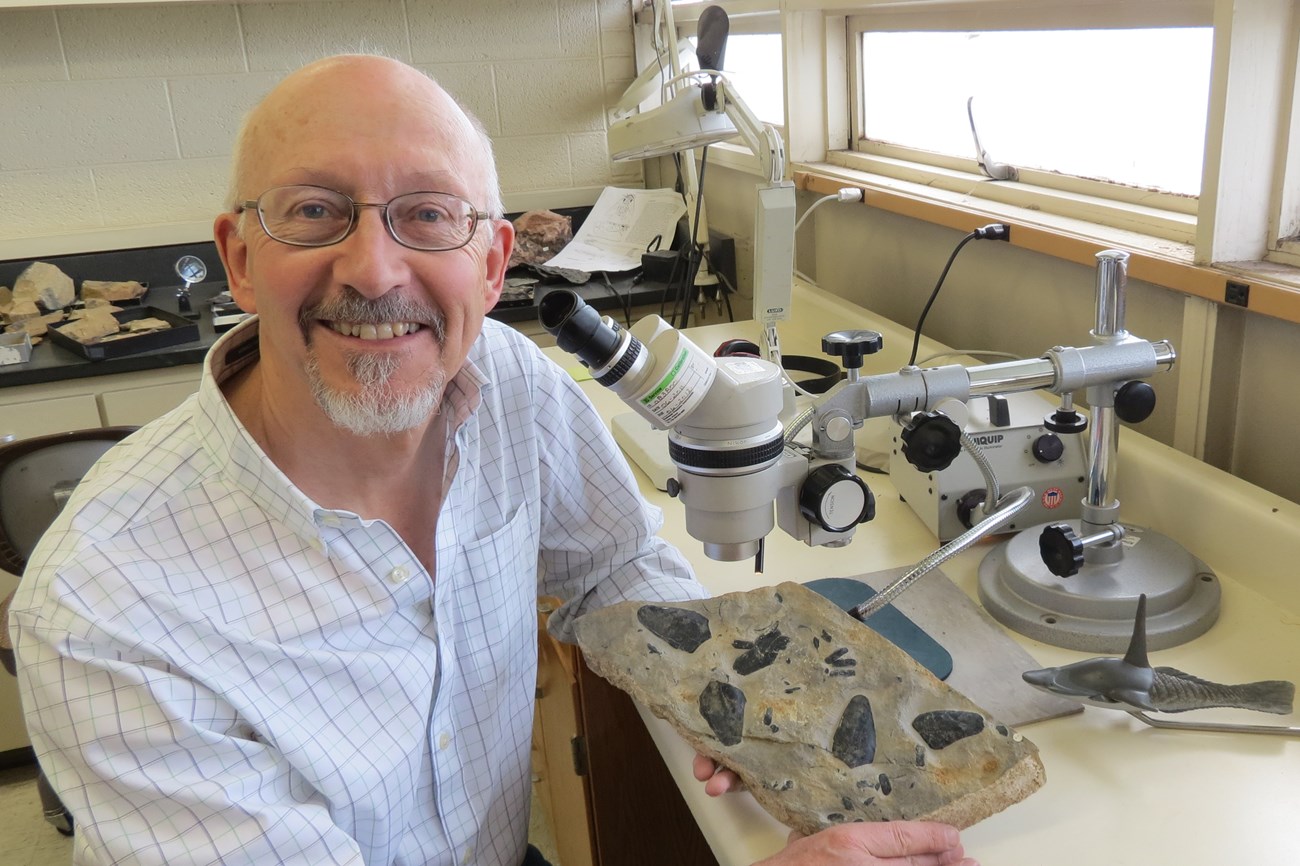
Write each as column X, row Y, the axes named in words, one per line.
column 1093, row 610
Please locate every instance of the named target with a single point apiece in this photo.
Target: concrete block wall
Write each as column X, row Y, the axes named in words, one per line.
column 123, row 116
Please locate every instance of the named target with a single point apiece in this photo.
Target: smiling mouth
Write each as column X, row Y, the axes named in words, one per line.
column 374, row 331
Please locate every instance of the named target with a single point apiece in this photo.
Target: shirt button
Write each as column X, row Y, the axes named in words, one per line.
column 399, row 575
column 469, row 856
column 444, row 740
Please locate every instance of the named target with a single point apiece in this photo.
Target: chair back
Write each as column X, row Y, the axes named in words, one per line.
column 36, row 477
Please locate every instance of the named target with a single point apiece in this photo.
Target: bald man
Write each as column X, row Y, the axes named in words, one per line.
column 293, row 621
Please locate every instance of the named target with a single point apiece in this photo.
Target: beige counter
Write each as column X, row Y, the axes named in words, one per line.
column 1118, row 792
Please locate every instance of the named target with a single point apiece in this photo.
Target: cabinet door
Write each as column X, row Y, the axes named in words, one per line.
column 41, row 417
column 133, row 407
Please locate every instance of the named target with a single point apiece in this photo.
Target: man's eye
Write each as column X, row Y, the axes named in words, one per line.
column 314, row 211
column 429, row 215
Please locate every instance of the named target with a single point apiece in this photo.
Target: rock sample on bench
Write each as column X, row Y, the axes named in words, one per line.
column 825, row 721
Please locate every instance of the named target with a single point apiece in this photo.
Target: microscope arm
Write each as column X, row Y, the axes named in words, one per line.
column 1061, row 370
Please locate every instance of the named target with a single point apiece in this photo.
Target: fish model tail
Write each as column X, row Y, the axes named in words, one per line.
column 1176, row 692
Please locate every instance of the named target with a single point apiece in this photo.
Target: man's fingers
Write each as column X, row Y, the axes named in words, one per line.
column 918, row 839
column 703, row 768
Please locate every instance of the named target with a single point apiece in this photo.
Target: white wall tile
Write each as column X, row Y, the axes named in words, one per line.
column 162, row 192
column 143, row 41
column 535, row 162
column 615, row 14
column 483, row 30
column 289, row 35
column 617, row 43
column 567, row 97
column 29, row 46
column 209, row 108
column 579, row 28
column 35, row 203
column 135, row 132
column 70, row 123
column 589, row 154
column 474, row 86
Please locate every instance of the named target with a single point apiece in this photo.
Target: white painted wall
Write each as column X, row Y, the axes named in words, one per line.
column 123, row 116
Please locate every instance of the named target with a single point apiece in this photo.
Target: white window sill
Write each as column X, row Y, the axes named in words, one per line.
column 1274, row 289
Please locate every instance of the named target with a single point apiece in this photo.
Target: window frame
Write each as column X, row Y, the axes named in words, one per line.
column 1160, row 214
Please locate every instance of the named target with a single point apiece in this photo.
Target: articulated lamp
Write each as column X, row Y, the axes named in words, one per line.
column 707, row 110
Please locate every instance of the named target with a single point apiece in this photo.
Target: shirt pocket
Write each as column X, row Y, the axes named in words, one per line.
column 496, row 602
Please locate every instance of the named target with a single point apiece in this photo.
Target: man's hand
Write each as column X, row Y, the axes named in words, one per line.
column 717, row 779
column 895, row 843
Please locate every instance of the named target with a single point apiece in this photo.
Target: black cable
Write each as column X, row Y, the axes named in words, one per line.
column 996, row 231
column 693, row 248
column 627, row 304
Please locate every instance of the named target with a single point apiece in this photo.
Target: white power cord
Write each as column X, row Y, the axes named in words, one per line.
column 848, row 193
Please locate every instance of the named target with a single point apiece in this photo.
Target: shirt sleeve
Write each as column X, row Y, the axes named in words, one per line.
column 598, row 541
column 155, row 767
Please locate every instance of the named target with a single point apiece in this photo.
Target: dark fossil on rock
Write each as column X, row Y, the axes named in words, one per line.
column 824, row 720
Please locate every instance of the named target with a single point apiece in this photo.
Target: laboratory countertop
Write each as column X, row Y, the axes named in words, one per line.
column 1118, row 792
column 52, row 363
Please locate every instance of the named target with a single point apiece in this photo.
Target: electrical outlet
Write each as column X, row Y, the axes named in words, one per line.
column 1237, row 294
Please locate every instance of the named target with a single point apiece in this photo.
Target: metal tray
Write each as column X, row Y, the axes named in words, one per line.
column 182, row 330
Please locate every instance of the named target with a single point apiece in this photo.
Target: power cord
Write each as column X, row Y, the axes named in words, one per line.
column 993, row 231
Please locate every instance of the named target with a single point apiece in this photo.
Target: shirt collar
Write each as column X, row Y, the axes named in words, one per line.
column 236, row 450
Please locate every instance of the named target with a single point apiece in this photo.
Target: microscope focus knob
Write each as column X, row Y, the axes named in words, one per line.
column 931, row 441
column 852, row 346
column 1065, row 421
column 1061, row 549
column 836, row 499
column 1048, row 448
column 1135, row 401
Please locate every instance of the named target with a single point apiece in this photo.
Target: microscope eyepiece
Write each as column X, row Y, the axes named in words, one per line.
column 606, row 349
column 578, row 328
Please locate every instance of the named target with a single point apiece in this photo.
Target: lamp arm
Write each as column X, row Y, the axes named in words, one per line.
column 761, row 138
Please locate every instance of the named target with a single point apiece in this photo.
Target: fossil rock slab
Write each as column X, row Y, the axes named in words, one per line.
column 824, row 720
column 109, row 290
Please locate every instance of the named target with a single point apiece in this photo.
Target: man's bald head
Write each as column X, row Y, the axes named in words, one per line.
column 365, row 89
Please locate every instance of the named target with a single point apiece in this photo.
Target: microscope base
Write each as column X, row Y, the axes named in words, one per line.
column 1093, row 610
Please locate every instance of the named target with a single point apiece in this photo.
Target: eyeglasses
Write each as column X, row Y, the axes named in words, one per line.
column 313, row 216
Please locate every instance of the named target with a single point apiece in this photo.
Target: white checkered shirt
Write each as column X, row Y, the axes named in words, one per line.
column 214, row 669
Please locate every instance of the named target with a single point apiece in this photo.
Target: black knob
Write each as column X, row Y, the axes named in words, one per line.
column 673, row 487
column 1048, row 448
column 852, row 346
column 1135, row 401
column 1065, row 421
column 966, row 505
column 1061, row 549
column 836, row 499
column 931, row 441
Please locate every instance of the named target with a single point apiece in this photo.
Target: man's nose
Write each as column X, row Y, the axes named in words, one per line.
column 370, row 260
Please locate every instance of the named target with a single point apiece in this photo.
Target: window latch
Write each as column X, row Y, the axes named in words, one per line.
column 994, row 170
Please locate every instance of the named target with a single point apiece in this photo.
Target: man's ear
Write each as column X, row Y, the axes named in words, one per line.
column 234, row 256
column 496, row 261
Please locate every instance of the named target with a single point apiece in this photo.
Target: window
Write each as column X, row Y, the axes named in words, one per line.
column 754, row 68
column 1120, row 106
column 1102, row 108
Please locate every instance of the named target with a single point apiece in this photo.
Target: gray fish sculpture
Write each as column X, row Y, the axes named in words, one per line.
column 1131, row 683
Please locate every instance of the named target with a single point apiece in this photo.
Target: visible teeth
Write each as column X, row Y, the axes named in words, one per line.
column 381, row 331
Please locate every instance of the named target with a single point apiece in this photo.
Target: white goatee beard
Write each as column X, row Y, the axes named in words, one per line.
column 376, row 408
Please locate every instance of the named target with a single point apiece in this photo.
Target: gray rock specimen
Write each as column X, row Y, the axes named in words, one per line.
column 824, row 720
column 45, row 284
